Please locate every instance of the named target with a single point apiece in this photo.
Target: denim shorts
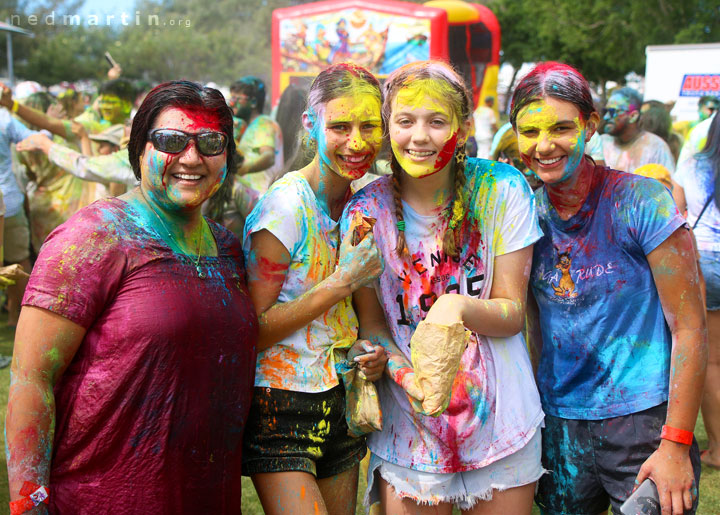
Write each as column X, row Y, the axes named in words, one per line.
column 463, row 489
column 710, row 266
column 296, row 431
column 593, row 463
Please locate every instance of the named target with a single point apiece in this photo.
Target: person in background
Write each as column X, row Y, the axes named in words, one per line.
column 626, row 146
column 261, row 146
column 16, row 237
column 486, row 125
column 697, row 190
column 655, row 118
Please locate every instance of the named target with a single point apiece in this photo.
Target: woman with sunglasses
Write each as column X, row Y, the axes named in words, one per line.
column 134, row 355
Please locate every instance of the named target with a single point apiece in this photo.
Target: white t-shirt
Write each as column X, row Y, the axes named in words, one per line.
column 302, row 362
column 495, row 407
column 645, row 149
column 485, row 118
column 697, row 178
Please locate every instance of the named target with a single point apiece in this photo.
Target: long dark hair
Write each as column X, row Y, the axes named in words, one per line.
column 711, row 152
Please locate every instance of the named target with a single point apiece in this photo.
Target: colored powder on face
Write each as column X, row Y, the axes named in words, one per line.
column 431, row 95
column 543, row 118
column 202, row 119
column 361, row 114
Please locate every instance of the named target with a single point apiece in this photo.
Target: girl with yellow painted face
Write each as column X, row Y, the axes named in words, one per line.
column 621, row 336
column 456, row 237
column 297, row 448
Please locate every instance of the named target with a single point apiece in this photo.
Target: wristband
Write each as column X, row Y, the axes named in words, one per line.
column 33, row 495
column 400, row 375
column 676, row 435
column 15, row 106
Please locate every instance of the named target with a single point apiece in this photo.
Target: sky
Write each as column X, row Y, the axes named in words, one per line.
column 103, row 7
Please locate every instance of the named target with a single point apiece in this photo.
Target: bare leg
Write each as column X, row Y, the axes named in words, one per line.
column 516, row 500
column 289, row 493
column 394, row 505
column 340, row 492
column 711, row 395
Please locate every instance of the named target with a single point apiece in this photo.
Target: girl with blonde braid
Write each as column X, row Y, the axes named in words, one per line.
column 456, row 236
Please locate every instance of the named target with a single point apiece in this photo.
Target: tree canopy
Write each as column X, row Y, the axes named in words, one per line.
column 226, row 39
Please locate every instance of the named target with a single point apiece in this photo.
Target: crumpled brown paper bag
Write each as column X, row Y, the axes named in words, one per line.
column 361, row 225
column 362, row 404
column 436, row 351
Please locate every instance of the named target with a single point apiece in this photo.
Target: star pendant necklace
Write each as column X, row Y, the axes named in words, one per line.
column 200, row 272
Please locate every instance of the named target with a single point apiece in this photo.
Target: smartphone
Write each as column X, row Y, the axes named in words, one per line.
column 643, row 501
column 110, row 60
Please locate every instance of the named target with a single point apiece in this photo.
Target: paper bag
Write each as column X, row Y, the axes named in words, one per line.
column 362, row 405
column 361, row 226
column 436, row 351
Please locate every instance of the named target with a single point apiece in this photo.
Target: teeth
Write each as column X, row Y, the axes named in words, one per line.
column 420, row 153
column 353, row 159
column 549, row 161
column 187, row 177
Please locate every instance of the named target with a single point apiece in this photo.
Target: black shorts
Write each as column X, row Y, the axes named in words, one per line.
column 296, row 431
column 593, row 463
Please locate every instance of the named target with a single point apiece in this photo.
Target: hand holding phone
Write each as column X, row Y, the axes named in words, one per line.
column 643, row 501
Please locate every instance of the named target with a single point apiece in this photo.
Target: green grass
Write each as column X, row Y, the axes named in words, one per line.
column 709, row 484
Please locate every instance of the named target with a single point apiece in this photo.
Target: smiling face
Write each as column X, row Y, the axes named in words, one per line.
column 350, row 135
column 182, row 181
column 552, row 137
column 424, row 131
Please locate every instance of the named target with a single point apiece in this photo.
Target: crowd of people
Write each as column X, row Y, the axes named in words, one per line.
column 202, row 273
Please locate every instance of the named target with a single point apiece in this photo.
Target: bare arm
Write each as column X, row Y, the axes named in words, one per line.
column 45, row 343
column 264, row 161
column 33, row 117
column 534, row 332
column 503, row 314
column 267, row 268
column 678, row 194
column 373, row 327
column 675, row 274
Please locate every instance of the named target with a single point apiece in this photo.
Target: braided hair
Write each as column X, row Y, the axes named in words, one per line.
column 456, row 95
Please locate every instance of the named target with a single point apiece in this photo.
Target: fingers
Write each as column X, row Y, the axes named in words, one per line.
column 677, row 501
column 412, row 388
column 687, row 497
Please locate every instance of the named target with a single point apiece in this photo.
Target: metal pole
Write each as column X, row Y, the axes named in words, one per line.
column 11, row 77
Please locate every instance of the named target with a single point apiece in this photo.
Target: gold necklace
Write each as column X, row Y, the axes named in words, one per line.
column 200, row 272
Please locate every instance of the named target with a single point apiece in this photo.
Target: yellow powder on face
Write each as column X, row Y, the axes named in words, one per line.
column 542, row 118
column 431, row 95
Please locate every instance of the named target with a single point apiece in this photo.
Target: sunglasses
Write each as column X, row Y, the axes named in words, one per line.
column 172, row 141
column 612, row 112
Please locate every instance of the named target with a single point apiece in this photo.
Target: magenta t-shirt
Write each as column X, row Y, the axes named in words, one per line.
column 150, row 412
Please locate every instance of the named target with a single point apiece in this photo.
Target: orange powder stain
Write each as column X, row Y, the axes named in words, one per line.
column 302, row 492
column 281, row 367
column 317, row 508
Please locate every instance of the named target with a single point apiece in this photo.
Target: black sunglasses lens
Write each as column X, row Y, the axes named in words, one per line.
column 171, row 142
column 211, row 143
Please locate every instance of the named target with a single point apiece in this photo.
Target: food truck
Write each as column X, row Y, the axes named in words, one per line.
column 383, row 35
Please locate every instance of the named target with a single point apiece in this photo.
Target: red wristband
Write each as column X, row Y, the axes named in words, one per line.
column 400, row 374
column 676, row 435
column 33, row 495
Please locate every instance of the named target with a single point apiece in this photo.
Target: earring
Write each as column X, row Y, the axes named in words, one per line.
column 460, row 155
